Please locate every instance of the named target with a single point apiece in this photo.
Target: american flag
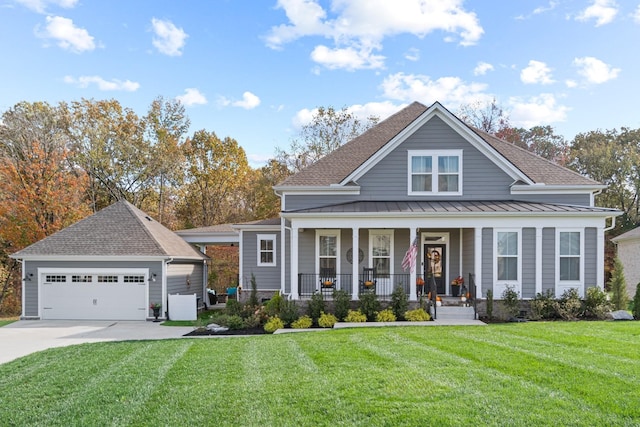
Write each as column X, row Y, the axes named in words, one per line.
column 409, row 260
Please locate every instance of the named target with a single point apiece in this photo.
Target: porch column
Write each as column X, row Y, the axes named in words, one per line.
column 538, row 260
column 355, row 282
column 477, row 254
column 413, row 294
column 295, row 294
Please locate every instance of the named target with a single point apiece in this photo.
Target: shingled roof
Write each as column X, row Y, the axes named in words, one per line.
column 120, row 230
column 337, row 165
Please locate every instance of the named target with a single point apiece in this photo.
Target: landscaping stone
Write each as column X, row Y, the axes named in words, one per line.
column 621, row 315
column 216, row 328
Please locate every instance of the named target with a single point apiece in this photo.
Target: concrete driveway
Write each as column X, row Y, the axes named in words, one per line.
column 29, row 336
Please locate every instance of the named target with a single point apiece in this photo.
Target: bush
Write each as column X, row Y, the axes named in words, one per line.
column 255, row 317
column 489, row 304
column 230, row 321
column 273, row 324
column 253, row 296
column 618, row 287
column 386, row 316
column 399, row 302
column 233, row 307
column 369, row 305
column 569, row 305
column 274, row 305
column 542, row 306
column 355, row 316
column 327, row 320
column 596, row 305
column 511, row 302
column 417, row 315
column 289, row 311
column 342, row 303
column 304, row 322
column 636, row 303
column 316, row 306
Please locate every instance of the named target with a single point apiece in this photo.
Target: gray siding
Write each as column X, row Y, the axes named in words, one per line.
column 287, row 276
column 560, row 199
column 487, row 261
column 184, row 279
column 267, row 277
column 468, row 253
column 31, row 267
column 548, row 259
column 528, row 263
column 590, row 258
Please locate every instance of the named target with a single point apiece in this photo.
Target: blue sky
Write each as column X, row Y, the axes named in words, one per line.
column 254, row 70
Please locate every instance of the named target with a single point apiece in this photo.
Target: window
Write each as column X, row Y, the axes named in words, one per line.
column 107, row 279
column 569, row 252
column 435, row 172
column 328, row 250
column 507, row 255
column 133, row 279
column 81, row 279
column 51, row 278
column 381, row 243
column 266, row 249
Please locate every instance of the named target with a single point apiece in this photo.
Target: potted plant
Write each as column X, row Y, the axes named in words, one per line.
column 156, row 306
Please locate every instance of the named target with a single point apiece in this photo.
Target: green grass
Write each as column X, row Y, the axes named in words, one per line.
column 4, row 322
column 555, row 374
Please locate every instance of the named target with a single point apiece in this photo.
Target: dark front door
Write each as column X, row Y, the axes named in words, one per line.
column 434, row 266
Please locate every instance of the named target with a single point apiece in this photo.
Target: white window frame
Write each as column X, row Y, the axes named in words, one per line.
column 265, row 237
column 563, row 285
column 372, row 234
column 501, row 285
column 333, row 233
column 435, row 155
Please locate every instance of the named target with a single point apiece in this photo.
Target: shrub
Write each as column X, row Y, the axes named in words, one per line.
column 618, row 287
column 230, row 321
column 255, row 317
column 596, row 305
column 342, row 302
column 289, row 311
column 399, row 302
column 274, row 305
column 355, row 316
column 417, row 315
column 511, row 302
column 233, row 307
column 386, row 316
column 327, row 320
column 489, row 304
column 636, row 303
column 316, row 306
column 303, row 322
column 273, row 324
column 569, row 305
column 253, row 296
column 542, row 306
column 369, row 305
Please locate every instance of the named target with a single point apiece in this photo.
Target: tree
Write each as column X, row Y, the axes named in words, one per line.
column 486, row 116
column 216, row 172
column 540, row 140
column 328, row 130
column 618, row 287
column 262, row 201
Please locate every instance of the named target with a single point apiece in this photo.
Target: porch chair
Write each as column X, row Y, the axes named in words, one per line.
column 327, row 280
column 368, row 280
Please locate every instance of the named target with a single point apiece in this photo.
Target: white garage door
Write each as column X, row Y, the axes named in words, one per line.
column 106, row 295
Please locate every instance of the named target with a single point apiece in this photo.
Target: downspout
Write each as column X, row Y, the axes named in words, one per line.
column 613, row 223
column 165, row 297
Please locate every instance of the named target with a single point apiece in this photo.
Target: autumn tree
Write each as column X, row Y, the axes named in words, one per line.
column 41, row 191
column 489, row 117
column 329, row 129
column 216, row 172
column 262, row 202
column 540, row 140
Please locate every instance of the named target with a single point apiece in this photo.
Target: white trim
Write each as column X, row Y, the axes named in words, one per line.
column 444, row 239
column 355, row 262
column 435, row 173
column 63, row 258
column 500, row 285
column 298, row 190
column 328, row 232
column 390, row 233
column 538, row 267
column 283, row 257
column 477, row 261
column 556, row 189
column 293, row 270
column 266, row 237
column 563, row 285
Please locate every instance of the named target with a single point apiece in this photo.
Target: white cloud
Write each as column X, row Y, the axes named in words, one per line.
column 412, row 54
column 482, row 68
column 382, row 110
column 66, row 34
column 636, row 15
column 571, row 83
column 104, row 85
column 536, row 111
column 603, row 11
column 594, row 70
column 40, row 6
column 359, row 26
column 536, row 72
column 249, row 101
column 168, row 39
column 192, row 96
column 451, row 91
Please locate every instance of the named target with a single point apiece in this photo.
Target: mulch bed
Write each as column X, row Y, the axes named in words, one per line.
column 250, row 331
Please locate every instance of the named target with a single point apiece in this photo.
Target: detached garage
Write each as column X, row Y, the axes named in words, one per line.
column 110, row 266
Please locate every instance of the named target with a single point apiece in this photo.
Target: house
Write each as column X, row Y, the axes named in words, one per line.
column 111, row 265
column 628, row 245
column 468, row 204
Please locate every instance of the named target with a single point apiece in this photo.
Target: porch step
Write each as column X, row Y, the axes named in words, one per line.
column 454, row 313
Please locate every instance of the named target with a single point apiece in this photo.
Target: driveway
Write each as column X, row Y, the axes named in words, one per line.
column 29, row 336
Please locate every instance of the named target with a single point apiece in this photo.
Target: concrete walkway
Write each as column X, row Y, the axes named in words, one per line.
column 29, row 336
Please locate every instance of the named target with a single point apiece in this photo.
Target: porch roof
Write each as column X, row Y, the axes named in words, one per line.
column 483, row 207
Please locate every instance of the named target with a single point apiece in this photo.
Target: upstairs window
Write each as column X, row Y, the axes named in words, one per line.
column 266, row 250
column 435, row 172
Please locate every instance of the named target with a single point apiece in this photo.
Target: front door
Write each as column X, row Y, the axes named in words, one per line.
column 434, row 266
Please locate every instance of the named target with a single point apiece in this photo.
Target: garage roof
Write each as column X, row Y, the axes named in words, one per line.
column 118, row 230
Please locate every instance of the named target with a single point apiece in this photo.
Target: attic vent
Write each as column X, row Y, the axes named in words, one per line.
column 148, row 218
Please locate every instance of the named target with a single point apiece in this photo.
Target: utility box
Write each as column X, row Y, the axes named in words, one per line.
column 183, row 307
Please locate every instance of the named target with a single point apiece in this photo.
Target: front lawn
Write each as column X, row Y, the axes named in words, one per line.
column 558, row 373
column 4, row 322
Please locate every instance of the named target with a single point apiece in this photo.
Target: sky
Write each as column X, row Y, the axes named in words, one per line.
column 255, row 70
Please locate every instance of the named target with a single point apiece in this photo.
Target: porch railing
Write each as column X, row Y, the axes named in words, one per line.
column 309, row 283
